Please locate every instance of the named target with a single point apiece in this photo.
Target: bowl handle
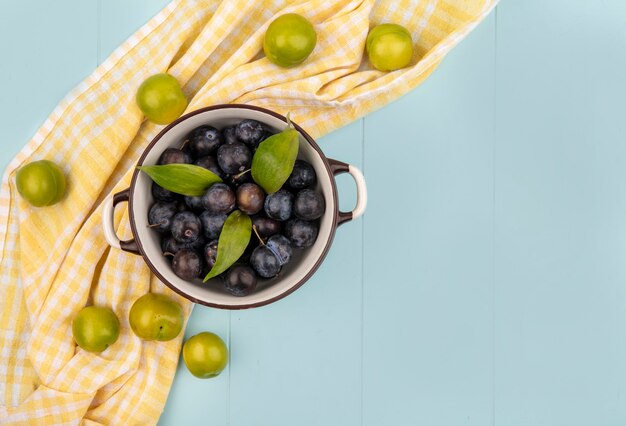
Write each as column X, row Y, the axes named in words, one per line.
column 108, row 212
column 339, row 167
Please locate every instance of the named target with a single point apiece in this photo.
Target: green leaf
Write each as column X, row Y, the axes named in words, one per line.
column 274, row 159
column 233, row 241
column 185, row 179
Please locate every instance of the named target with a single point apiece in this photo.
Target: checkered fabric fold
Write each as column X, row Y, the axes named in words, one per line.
column 55, row 260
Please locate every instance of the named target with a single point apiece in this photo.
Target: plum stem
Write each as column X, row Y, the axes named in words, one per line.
column 238, row 175
column 256, row 232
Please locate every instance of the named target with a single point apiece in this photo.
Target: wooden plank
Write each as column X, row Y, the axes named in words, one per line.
column 560, row 213
column 194, row 401
column 119, row 19
column 428, row 265
column 47, row 48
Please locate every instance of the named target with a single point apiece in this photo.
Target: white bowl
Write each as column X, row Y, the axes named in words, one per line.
column 304, row 262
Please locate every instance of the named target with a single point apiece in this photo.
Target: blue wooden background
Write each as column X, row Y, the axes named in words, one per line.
column 486, row 284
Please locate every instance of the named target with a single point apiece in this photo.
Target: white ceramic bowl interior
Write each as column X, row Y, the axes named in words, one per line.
column 212, row 291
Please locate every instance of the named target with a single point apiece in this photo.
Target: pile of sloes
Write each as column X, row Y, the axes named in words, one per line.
column 191, row 226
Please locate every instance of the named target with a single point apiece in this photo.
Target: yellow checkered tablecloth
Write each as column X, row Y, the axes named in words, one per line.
column 55, row 260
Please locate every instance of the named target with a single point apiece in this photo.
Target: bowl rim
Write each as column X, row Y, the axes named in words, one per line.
column 334, row 215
